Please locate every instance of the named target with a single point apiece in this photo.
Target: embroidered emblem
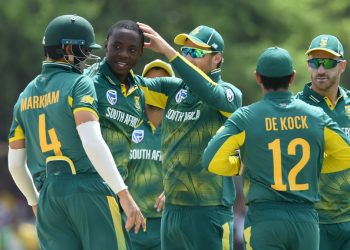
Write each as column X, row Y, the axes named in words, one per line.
column 181, row 95
column 229, row 95
column 137, row 136
column 137, row 103
column 347, row 111
column 112, row 96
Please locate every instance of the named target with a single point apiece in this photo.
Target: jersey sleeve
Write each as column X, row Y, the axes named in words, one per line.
column 84, row 96
column 337, row 148
column 157, row 90
column 219, row 156
column 16, row 130
column 223, row 97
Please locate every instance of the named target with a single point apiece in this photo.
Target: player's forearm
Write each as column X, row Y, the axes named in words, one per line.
column 337, row 149
column 223, row 98
column 100, row 155
column 20, row 174
column 220, row 155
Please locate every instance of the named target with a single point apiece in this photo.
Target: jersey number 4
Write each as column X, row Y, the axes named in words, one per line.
column 275, row 146
column 55, row 144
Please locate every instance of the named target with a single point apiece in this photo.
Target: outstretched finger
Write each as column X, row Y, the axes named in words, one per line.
column 130, row 221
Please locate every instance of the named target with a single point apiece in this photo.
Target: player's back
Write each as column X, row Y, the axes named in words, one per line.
column 44, row 111
column 286, row 137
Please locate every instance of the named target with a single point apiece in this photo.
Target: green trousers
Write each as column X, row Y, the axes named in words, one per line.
column 335, row 236
column 79, row 212
column 270, row 226
column 197, row 227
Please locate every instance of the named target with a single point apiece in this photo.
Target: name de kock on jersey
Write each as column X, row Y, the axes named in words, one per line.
column 286, row 123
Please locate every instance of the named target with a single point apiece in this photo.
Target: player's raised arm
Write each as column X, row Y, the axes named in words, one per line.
column 204, row 81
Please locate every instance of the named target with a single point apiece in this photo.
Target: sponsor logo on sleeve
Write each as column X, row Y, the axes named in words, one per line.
column 229, row 95
column 87, row 99
column 137, row 135
column 112, row 96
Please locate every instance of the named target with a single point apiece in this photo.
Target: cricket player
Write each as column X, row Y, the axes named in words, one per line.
column 326, row 63
column 56, row 149
column 145, row 179
column 198, row 211
column 283, row 142
column 120, row 99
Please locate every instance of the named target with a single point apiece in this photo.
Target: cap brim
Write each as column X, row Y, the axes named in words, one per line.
column 95, row 46
column 323, row 49
column 181, row 40
column 158, row 64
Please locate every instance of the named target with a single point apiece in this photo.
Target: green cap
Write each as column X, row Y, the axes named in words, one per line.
column 275, row 62
column 203, row 36
column 327, row 43
column 158, row 64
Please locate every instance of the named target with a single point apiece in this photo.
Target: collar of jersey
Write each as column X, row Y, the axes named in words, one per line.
column 315, row 97
column 55, row 64
column 215, row 75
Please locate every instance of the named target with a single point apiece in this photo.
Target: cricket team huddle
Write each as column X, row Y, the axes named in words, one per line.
column 128, row 161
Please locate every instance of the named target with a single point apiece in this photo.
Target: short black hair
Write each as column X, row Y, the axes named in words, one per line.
column 129, row 25
column 54, row 52
column 276, row 82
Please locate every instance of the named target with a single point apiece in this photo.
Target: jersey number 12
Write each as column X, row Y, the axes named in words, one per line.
column 275, row 146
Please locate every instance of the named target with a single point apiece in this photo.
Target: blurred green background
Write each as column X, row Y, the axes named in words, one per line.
column 248, row 27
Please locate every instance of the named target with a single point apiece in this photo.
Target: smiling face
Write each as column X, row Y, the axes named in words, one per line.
column 123, row 49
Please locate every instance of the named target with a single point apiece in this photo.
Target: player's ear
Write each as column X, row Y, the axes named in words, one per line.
column 292, row 78
column 258, row 78
column 69, row 52
column 106, row 45
column 218, row 58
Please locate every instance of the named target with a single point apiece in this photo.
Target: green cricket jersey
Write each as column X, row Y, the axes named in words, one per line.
column 282, row 142
column 195, row 107
column 334, row 205
column 145, row 181
column 120, row 112
column 43, row 116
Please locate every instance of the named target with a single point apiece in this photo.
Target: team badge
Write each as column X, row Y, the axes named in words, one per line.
column 137, row 102
column 229, row 95
column 324, row 41
column 137, row 136
column 181, row 95
column 112, row 96
column 347, row 111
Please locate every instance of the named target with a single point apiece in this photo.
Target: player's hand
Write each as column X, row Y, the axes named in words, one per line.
column 35, row 209
column 159, row 205
column 156, row 42
column 133, row 214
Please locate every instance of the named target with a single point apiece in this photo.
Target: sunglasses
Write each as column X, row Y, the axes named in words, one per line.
column 327, row 63
column 195, row 53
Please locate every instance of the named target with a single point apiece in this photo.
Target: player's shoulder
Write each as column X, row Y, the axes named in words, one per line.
column 300, row 95
column 344, row 91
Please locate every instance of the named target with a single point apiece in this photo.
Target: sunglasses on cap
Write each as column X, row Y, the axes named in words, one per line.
column 327, row 63
column 195, row 52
